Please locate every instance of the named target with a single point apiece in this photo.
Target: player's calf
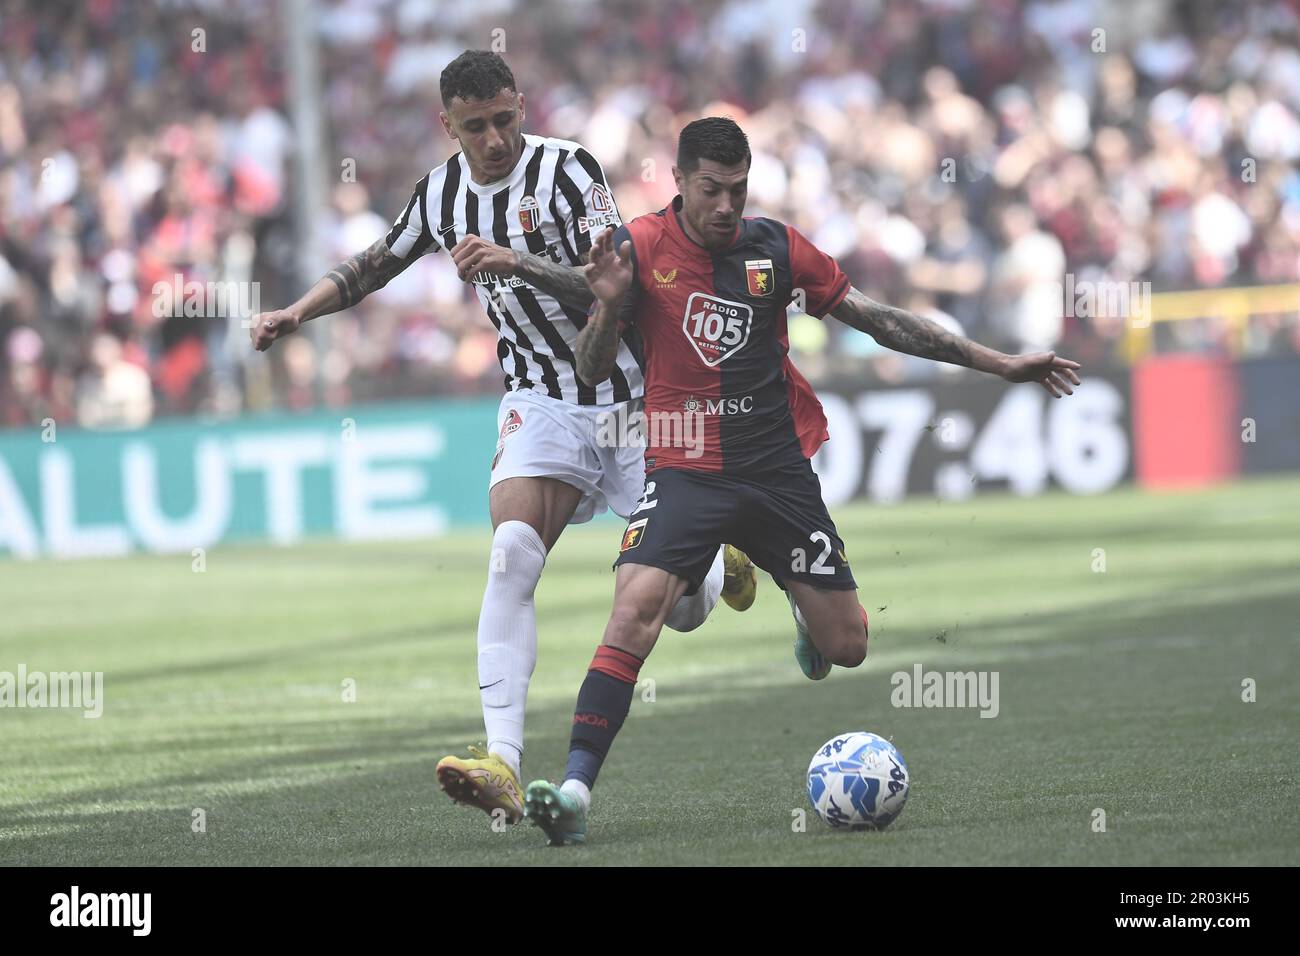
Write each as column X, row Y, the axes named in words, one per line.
column 835, row 623
column 843, row 641
column 847, row 646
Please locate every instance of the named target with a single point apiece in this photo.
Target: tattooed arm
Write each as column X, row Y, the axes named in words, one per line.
column 341, row 288
column 563, row 283
column 609, row 276
column 597, row 347
column 473, row 254
column 902, row 331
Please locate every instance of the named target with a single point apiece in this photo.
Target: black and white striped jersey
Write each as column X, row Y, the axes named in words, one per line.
column 553, row 203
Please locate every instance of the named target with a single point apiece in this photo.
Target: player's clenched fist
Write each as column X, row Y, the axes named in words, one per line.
column 269, row 326
column 609, row 272
column 474, row 254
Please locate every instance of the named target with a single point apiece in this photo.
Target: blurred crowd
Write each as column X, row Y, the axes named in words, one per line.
column 957, row 158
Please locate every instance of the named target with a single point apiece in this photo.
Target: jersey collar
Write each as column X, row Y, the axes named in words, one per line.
column 531, row 144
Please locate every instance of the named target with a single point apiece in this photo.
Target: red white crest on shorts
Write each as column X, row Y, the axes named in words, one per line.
column 512, row 423
column 530, row 214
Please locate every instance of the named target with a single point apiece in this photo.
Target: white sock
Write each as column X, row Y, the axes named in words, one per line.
column 579, row 790
column 691, row 610
column 507, row 636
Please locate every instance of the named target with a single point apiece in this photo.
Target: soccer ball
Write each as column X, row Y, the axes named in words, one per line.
column 859, row 781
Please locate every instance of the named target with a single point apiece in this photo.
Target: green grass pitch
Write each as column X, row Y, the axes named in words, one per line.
column 1119, row 690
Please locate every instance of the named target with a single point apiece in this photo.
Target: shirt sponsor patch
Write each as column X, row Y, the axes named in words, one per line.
column 591, row 223
column 717, row 328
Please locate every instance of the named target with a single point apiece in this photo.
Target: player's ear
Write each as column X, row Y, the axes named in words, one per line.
column 679, row 178
column 521, row 108
column 446, row 123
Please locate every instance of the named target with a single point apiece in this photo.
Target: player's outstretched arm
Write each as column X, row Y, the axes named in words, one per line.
column 609, row 275
column 902, row 331
column 341, row 288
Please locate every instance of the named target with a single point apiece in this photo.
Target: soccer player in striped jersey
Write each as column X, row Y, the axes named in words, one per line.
column 708, row 290
column 517, row 213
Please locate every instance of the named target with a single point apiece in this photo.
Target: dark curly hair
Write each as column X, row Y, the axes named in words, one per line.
column 716, row 138
column 475, row 74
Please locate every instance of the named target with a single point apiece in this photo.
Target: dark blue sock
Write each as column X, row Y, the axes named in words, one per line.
column 603, row 703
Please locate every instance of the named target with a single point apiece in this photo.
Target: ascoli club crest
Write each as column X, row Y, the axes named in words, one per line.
column 530, row 214
column 514, row 421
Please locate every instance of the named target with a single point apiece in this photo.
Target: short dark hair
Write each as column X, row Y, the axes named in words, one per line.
column 475, row 74
column 716, row 138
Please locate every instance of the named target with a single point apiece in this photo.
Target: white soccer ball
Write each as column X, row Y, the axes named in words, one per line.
column 859, row 781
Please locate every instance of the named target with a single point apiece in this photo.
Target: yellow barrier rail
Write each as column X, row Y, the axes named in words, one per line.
column 1233, row 306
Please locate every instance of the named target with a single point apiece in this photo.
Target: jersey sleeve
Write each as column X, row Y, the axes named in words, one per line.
column 823, row 283
column 410, row 236
column 584, row 200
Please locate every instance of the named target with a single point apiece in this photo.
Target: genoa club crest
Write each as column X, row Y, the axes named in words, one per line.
column 758, row 273
column 632, row 536
column 530, row 214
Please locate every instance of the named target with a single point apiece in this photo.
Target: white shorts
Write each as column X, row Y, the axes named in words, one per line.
column 543, row 437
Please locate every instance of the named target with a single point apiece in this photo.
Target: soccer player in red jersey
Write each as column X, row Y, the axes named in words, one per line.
column 707, row 290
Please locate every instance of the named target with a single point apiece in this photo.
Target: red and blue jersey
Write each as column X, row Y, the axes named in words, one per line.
column 721, row 393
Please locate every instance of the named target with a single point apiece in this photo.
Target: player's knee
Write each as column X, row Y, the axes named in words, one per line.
column 683, row 621
column 518, row 555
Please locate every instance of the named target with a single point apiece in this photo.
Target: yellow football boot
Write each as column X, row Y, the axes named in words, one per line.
column 484, row 781
column 739, row 579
